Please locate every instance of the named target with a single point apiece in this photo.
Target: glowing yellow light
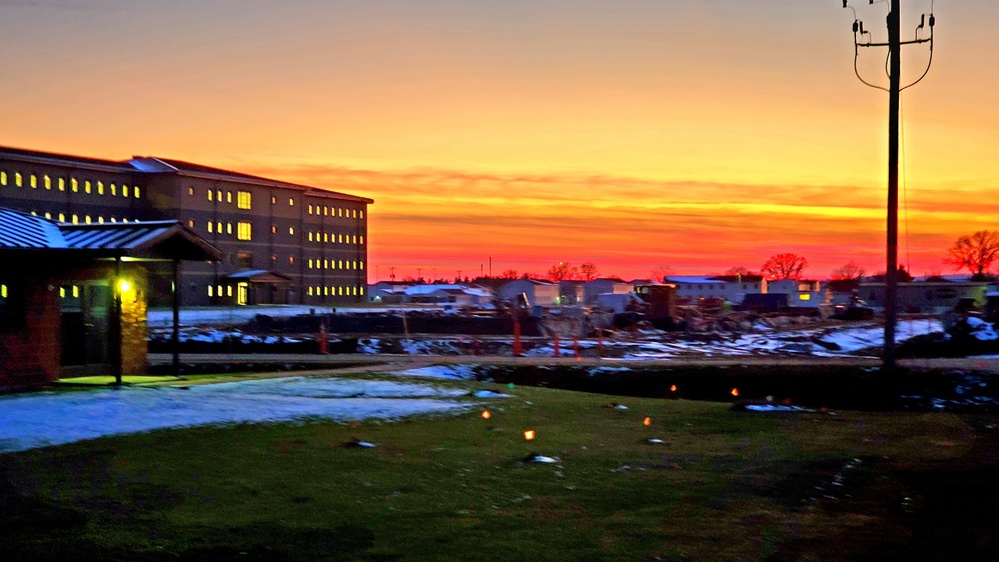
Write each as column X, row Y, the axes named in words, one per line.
column 124, row 286
column 529, row 434
column 647, row 421
column 735, row 392
column 486, row 415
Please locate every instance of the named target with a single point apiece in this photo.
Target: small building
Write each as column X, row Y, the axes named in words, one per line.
column 538, row 293
column 661, row 298
column 73, row 296
column 732, row 288
column 801, row 293
column 933, row 297
column 605, row 286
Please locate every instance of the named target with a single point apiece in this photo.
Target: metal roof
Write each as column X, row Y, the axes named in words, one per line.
column 259, row 276
column 158, row 240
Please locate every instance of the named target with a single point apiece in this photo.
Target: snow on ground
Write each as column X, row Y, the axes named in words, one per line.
column 158, row 317
column 452, row 372
column 53, row 418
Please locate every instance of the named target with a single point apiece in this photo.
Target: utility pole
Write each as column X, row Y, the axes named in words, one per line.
column 862, row 38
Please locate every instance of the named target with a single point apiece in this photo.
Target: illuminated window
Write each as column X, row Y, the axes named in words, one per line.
column 340, row 237
column 86, row 219
column 244, row 231
column 362, row 240
column 340, row 291
column 75, row 219
column 310, row 206
column 310, row 290
column 211, row 291
column 135, row 191
column 228, row 197
column 326, row 291
column 361, row 213
column 18, row 181
column 190, row 190
column 3, row 178
column 62, row 184
column 218, row 227
column 228, row 228
column 33, row 180
column 362, row 265
column 354, row 238
column 291, row 202
column 244, row 200
column 47, row 181
column 211, row 226
column 124, row 191
column 100, row 188
column 341, row 264
column 326, row 237
column 100, row 220
column 114, row 189
column 228, row 290
column 218, row 288
column 218, row 195
column 339, row 211
column 273, row 229
column 361, row 291
column 326, row 211
column 273, row 200
column 291, row 230
column 805, row 297
column 310, row 263
column 48, row 215
column 326, row 264
column 62, row 217
column 211, row 195
column 310, row 236
column 190, row 223
column 86, row 186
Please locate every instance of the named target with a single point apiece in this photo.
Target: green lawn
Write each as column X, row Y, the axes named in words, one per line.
column 724, row 486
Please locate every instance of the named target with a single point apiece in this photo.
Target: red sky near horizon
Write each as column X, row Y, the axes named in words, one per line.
column 633, row 134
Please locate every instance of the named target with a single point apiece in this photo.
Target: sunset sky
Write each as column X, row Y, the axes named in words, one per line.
column 634, row 134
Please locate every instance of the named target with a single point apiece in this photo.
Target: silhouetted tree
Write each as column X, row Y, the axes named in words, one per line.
column 903, row 276
column 739, row 270
column 562, row 271
column 661, row 272
column 976, row 253
column 588, row 271
column 784, row 266
column 848, row 271
column 509, row 274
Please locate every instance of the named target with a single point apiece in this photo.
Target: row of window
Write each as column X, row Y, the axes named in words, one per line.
column 244, row 199
column 335, row 291
column 328, row 211
column 317, row 290
column 335, row 238
column 18, row 180
column 244, row 230
column 77, row 219
column 334, row 264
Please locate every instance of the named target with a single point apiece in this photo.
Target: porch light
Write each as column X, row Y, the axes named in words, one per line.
column 124, row 286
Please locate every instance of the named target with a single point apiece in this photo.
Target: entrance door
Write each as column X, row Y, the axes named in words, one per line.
column 242, row 293
column 86, row 319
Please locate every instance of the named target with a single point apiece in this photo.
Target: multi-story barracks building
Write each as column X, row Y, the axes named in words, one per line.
column 282, row 243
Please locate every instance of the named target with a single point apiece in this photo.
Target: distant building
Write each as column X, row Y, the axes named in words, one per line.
column 801, row 293
column 310, row 244
column 732, row 288
column 538, row 293
column 612, row 286
column 927, row 296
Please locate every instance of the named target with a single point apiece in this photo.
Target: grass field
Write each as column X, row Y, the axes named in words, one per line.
column 724, row 485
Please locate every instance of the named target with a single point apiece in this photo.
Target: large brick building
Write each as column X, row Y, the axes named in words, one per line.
column 281, row 242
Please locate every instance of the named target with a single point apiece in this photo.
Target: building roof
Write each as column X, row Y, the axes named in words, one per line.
column 155, row 240
column 258, row 276
column 157, row 165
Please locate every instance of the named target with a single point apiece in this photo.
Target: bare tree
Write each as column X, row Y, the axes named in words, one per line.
column 509, row 274
column 784, row 266
column 661, row 272
column 562, row 271
column 849, row 271
column 588, row 271
column 739, row 270
column 976, row 253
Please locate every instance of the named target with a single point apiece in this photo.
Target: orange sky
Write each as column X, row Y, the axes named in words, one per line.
column 633, row 134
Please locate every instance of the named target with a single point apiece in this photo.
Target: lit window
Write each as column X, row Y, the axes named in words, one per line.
column 291, row 230
column 218, row 227
column 86, row 186
column 100, row 188
column 86, row 219
column 341, row 264
column 62, row 217
column 291, row 259
column 228, row 291
column 340, row 291
column 273, row 229
column 135, row 191
column 228, row 228
column 362, row 265
column 62, row 184
column 114, row 189
column 228, row 197
column 310, row 263
column 34, row 181
column 310, row 290
column 310, row 206
column 211, row 291
column 361, row 214
column 244, row 231
column 218, row 195
column 18, row 181
column 310, row 236
column 218, row 288
column 340, row 238
column 47, row 181
column 361, row 291
column 244, row 200
column 75, row 219
column 100, row 220
column 48, row 215
column 291, row 202
column 326, row 237
column 326, row 264
column 211, row 226
column 190, row 223
column 3, row 178
column 362, row 240
column 273, row 200
column 124, row 191
column 190, row 190
column 326, row 211
column 354, row 238
column 211, row 195
column 339, row 211
column 805, row 297
column 326, row 291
